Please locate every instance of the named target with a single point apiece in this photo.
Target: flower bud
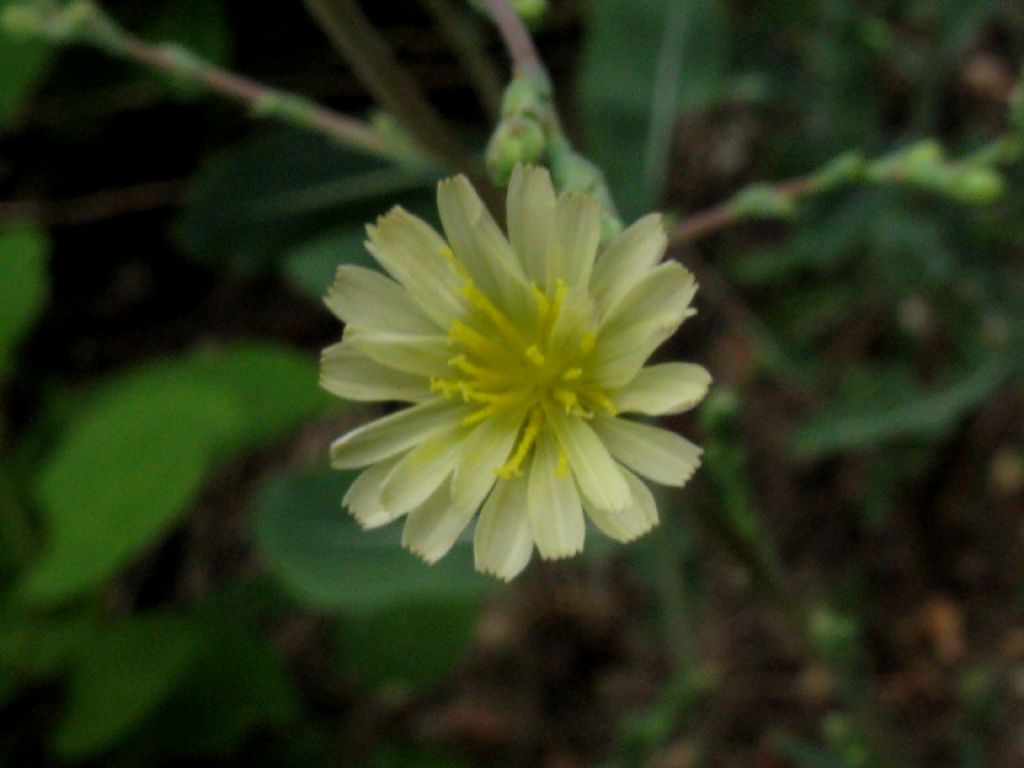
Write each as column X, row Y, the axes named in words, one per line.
column 516, row 140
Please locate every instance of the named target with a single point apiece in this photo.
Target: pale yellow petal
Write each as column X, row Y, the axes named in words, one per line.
column 556, row 514
column 630, row 256
column 421, row 472
column 364, row 297
column 432, row 528
column 419, row 259
column 502, row 541
column 394, row 434
column 630, row 523
column 350, row 374
column 483, row 453
column 664, row 388
column 662, row 297
column 618, row 358
column 482, row 249
column 596, row 473
column 423, row 356
column 531, row 220
column 363, row 497
column 655, row 453
column 578, row 232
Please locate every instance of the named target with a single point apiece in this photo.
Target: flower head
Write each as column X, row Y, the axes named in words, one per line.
column 519, row 358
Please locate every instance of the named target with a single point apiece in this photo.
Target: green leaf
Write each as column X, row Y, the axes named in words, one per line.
column 255, row 201
column 645, row 62
column 885, row 411
column 323, row 557
column 311, row 266
column 124, row 473
column 277, row 388
column 121, row 675
column 24, row 63
column 140, row 447
column 24, row 253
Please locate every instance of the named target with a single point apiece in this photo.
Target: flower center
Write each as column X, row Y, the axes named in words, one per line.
column 522, row 369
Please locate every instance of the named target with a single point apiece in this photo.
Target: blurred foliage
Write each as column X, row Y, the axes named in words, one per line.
column 102, row 477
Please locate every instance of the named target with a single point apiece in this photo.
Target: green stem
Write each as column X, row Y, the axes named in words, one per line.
column 84, row 22
column 362, row 46
column 463, row 34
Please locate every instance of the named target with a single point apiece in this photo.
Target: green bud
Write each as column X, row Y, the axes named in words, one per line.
column 515, row 140
column 763, row 201
column 976, row 185
column 845, row 169
column 924, row 154
column 526, row 95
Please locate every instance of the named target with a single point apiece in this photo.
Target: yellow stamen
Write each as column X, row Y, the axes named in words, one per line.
column 478, row 416
column 513, row 467
column 535, row 356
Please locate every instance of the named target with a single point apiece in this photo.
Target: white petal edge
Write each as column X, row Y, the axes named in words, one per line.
column 362, row 296
column 350, row 374
column 394, row 434
column 664, row 389
column 629, row 524
column 363, row 497
column 556, row 513
column 432, row 528
column 654, row 453
column 502, row 541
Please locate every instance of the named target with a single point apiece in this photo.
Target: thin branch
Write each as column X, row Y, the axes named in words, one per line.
column 361, row 45
column 98, row 206
column 84, row 22
column 463, row 34
column 516, row 37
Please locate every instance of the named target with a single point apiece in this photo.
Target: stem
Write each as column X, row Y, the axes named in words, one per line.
column 464, row 36
column 362, row 46
column 84, row 22
column 516, row 37
column 725, row 214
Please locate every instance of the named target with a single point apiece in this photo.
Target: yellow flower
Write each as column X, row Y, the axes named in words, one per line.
column 518, row 357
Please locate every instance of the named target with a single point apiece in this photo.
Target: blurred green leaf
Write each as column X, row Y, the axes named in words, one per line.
column 34, row 648
column 311, row 266
column 325, row 559
column 881, row 410
column 125, row 471
column 277, row 388
column 645, row 62
column 417, row 644
column 121, row 675
column 235, row 684
column 269, row 193
column 24, row 253
column 24, row 63
column 141, row 445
